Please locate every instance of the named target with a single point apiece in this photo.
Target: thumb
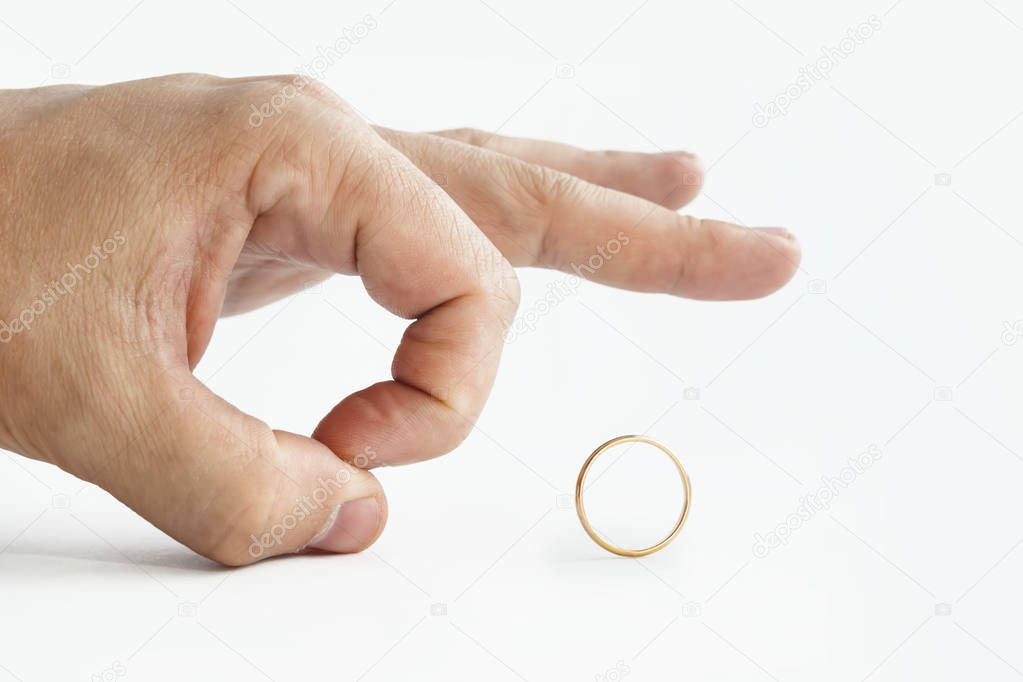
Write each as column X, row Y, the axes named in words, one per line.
column 227, row 486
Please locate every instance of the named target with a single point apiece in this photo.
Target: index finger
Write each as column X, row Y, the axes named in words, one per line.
column 420, row 257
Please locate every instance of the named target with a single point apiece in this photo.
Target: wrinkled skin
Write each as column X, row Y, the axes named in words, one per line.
column 163, row 204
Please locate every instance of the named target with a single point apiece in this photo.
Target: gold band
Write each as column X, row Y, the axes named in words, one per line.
column 581, row 510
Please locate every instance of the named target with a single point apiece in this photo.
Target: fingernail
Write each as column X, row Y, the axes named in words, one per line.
column 681, row 154
column 355, row 526
column 690, row 165
column 777, row 232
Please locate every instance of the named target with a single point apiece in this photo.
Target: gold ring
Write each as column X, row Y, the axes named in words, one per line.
column 581, row 510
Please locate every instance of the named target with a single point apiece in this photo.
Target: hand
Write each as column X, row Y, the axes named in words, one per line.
column 134, row 215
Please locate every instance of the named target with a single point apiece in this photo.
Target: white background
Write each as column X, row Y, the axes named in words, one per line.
column 907, row 285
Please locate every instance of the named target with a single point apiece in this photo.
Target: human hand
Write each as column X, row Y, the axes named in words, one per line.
column 135, row 214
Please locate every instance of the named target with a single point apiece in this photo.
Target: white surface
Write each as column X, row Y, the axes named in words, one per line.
column 919, row 279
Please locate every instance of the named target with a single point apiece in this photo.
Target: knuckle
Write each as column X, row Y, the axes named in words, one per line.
column 249, row 130
column 263, row 101
column 243, row 508
column 473, row 136
column 319, row 91
column 693, row 232
column 304, row 86
column 450, row 415
column 544, row 186
column 542, row 192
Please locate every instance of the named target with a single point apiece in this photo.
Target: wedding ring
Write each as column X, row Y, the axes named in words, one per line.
column 581, row 509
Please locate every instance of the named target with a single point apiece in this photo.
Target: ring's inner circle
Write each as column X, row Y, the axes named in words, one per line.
column 633, row 495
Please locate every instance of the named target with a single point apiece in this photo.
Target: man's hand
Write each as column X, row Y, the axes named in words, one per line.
column 134, row 215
